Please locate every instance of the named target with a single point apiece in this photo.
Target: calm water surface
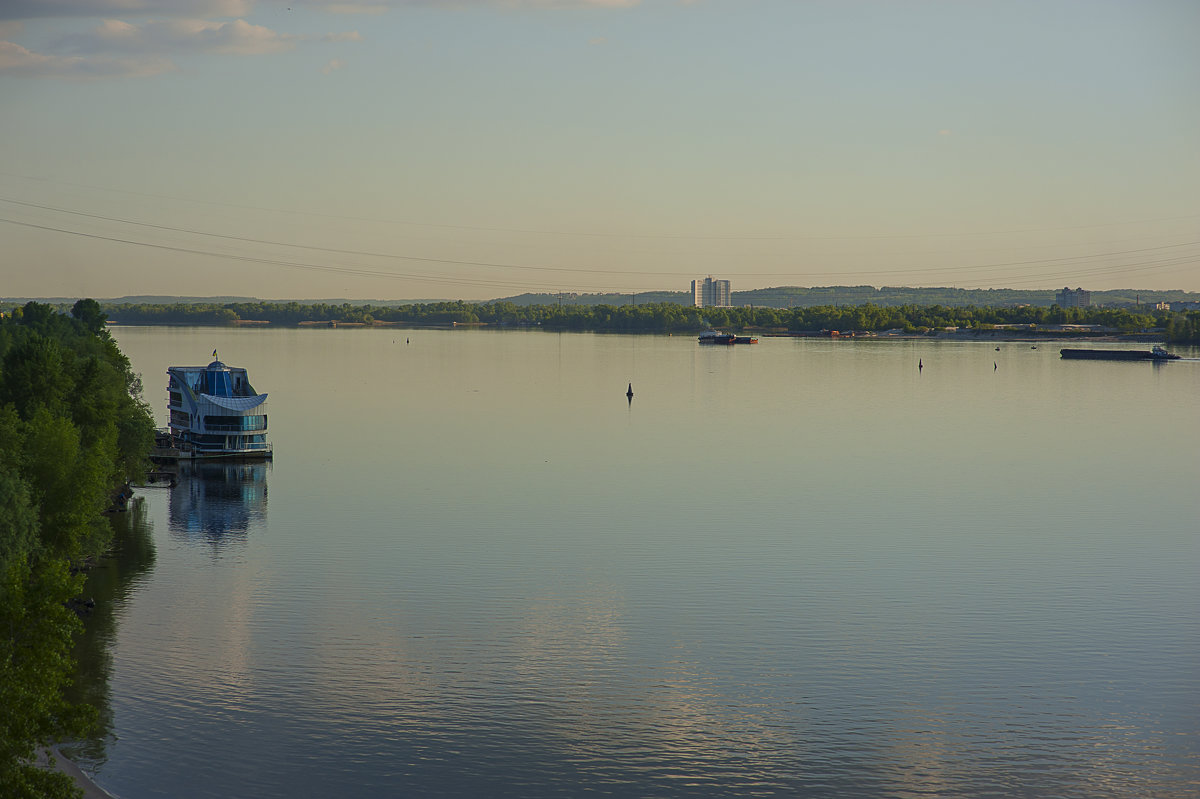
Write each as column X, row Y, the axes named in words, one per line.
column 801, row 568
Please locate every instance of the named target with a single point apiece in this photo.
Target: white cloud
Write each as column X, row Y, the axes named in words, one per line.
column 231, row 9
column 118, row 49
column 18, row 61
column 236, row 37
column 334, row 65
column 381, row 7
column 34, row 9
column 568, row 3
column 356, row 8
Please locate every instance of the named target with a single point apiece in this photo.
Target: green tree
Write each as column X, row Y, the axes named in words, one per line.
column 35, row 671
column 72, row 426
column 34, row 375
column 89, row 314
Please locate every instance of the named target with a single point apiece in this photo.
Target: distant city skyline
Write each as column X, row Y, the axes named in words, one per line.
column 480, row 149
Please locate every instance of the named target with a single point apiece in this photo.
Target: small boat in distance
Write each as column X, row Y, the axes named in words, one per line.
column 213, row 412
column 716, row 337
column 1155, row 354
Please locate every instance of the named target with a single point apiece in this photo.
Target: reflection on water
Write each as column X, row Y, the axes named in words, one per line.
column 804, row 568
column 218, row 502
column 109, row 583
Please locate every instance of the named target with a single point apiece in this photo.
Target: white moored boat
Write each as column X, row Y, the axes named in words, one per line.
column 214, row 412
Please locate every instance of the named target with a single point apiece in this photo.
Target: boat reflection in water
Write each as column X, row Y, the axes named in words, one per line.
column 216, row 502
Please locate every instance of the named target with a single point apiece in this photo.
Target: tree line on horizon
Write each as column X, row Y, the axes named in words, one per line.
column 1183, row 327
column 772, row 297
column 73, row 430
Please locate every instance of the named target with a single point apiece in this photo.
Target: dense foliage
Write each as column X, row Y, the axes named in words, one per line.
column 664, row 317
column 72, row 430
column 1184, row 328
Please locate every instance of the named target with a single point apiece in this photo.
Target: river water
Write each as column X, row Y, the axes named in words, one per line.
column 801, row 568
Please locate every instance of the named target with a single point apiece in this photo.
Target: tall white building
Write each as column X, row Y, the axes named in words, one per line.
column 1073, row 299
column 709, row 293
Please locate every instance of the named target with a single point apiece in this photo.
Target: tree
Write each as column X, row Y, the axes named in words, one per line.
column 35, row 670
column 71, row 428
column 89, row 314
column 34, row 374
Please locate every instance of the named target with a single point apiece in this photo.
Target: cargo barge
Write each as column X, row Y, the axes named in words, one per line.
column 1155, row 354
column 717, row 337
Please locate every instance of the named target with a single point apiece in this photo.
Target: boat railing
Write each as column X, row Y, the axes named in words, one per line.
column 211, row 448
column 235, row 428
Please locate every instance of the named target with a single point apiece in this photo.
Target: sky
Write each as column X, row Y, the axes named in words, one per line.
column 473, row 149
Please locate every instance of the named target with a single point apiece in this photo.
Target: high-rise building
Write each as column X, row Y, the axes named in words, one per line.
column 1073, row 299
column 711, row 293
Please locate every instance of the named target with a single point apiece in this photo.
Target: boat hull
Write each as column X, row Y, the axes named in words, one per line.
column 171, row 455
column 1116, row 355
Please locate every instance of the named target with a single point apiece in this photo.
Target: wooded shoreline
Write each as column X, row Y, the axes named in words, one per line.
column 74, row 431
column 934, row 321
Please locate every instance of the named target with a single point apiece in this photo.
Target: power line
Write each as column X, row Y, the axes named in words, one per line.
column 357, row 271
column 884, row 273
column 335, row 250
column 600, row 234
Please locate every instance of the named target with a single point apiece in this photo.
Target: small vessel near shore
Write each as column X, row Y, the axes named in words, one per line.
column 213, row 412
column 1155, row 354
column 717, row 337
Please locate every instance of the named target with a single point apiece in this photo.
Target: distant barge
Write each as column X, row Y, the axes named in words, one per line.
column 1156, row 354
column 717, row 337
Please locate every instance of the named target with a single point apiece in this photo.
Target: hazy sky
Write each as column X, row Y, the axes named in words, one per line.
column 482, row 148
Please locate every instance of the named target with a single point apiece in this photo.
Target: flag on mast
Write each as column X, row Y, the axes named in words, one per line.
column 214, row 355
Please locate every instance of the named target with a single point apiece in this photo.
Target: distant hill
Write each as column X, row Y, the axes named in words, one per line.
column 149, row 300
column 155, row 299
column 375, row 303
column 887, row 296
column 778, row 297
column 144, row 299
column 575, row 298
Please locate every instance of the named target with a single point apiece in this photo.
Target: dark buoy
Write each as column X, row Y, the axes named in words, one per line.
column 920, row 364
column 997, row 349
column 629, row 393
column 995, row 366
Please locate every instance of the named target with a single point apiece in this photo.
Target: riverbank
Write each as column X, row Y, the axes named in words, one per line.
column 1179, row 327
column 52, row 759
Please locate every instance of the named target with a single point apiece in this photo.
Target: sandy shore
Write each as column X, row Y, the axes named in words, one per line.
column 90, row 789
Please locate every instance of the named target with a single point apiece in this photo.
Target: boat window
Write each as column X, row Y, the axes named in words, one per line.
column 235, row 423
column 217, row 383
